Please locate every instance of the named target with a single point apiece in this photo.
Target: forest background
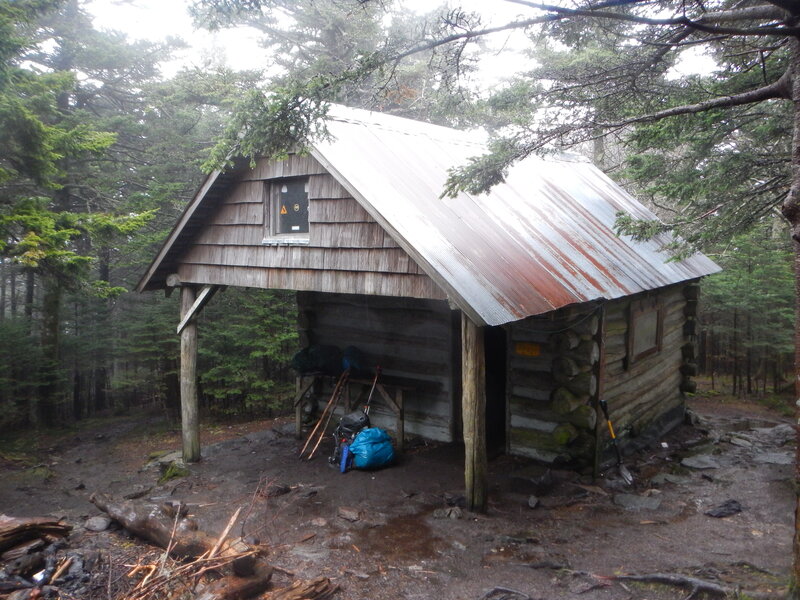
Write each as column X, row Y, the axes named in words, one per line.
column 100, row 151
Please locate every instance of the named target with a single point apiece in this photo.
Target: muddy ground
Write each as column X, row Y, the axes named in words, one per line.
column 404, row 543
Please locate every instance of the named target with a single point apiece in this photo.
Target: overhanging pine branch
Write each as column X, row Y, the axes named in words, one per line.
column 702, row 23
column 779, row 89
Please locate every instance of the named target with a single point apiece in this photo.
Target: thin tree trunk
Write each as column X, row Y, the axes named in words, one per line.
column 791, row 210
column 51, row 325
column 735, row 350
column 749, row 359
column 77, row 401
column 30, row 287
column 3, row 269
column 12, row 290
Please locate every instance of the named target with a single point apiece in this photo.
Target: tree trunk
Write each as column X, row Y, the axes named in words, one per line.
column 12, row 290
column 3, row 270
column 735, row 351
column 51, row 325
column 749, row 356
column 30, row 283
column 791, row 210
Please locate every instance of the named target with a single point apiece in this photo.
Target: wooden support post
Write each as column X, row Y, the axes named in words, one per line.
column 600, row 371
column 298, row 408
column 189, row 408
column 200, row 301
column 473, row 411
column 401, row 421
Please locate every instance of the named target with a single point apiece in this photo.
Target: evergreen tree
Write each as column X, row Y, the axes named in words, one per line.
column 612, row 86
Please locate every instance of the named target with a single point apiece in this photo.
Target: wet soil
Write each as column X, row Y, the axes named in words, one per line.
column 402, row 544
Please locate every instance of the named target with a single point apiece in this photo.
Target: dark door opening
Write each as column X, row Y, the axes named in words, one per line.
column 494, row 340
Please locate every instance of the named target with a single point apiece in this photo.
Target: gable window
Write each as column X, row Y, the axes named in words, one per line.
column 645, row 329
column 287, row 211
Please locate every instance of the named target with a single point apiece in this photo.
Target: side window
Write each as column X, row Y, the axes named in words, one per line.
column 645, row 329
column 287, row 210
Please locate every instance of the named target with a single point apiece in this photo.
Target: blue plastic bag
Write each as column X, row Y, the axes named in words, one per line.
column 372, row 449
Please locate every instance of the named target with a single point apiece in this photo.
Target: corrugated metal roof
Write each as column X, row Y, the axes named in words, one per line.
column 542, row 240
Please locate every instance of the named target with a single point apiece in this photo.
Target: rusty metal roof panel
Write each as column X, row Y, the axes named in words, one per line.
column 542, row 240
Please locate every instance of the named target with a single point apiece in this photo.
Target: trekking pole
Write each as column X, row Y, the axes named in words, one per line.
column 374, row 383
column 324, row 412
column 340, row 391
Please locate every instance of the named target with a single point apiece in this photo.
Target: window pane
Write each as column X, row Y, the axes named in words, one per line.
column 645, row 332
column 292, row 209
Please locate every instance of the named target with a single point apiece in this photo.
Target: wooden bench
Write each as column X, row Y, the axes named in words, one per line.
column 389, row 390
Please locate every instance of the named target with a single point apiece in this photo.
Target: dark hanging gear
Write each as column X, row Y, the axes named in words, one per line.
column 318, row 359
column 354, row 359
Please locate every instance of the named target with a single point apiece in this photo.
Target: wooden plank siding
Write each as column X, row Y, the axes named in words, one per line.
column 295, row 165
column 410, row 339
column 342, row 282
column 641, row 392
column 346, row 250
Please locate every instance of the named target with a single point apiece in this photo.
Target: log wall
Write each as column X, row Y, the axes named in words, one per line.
column 412, row 341
column 553, row 378
column 551, row 382
column 346, row 250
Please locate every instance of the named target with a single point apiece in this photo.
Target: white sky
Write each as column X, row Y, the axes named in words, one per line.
column 158, row 19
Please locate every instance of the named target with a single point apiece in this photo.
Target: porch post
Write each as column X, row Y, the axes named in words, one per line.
column 189, row 409
column 473, row 413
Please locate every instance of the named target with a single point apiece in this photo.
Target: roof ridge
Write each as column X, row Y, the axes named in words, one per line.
column 406, row 126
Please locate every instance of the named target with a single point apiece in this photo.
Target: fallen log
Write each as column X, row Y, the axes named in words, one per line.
column 22, row 549
column 234, row 587
column 15, row 531
column 149, row 523
column 320, row 588
column 693, row 584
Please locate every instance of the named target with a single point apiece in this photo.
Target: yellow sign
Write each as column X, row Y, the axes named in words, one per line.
column 527, row 349
column 283, row 210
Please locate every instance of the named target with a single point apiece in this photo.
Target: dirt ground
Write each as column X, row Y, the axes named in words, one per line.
column 405, row 543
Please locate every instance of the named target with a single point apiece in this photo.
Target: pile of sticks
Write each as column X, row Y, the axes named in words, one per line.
column 195, row 565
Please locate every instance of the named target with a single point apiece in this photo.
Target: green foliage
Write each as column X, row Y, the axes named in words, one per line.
column 332, row 51
column 20, row 357
column 484, row 172
column 748, row 308
column 247, row 338
column 270, row 124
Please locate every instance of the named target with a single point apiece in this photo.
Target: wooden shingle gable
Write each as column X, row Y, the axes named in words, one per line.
column 225, row 239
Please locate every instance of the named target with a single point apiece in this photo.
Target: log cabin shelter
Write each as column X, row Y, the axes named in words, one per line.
column 498, row 319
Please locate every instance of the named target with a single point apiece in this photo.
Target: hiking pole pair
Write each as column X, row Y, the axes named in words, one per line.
column 330, row 407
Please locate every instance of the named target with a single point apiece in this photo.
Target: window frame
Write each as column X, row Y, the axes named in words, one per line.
column 639, row 309
column 272, row 203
